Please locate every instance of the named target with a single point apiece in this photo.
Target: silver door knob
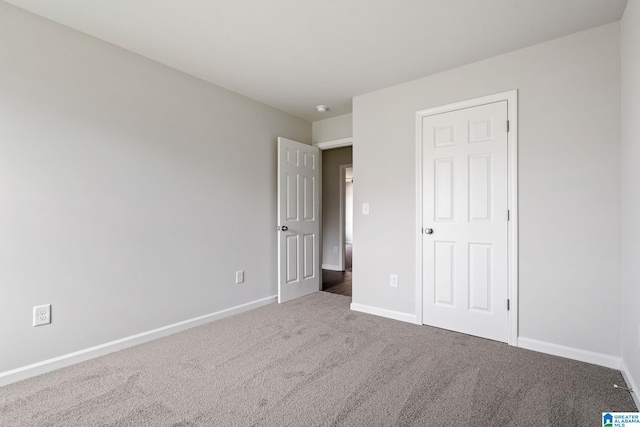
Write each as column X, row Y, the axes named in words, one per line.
column 284, row 228
column 428, row 231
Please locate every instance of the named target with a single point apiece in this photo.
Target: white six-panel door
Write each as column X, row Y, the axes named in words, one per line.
column 464, row 239
column 299, row 273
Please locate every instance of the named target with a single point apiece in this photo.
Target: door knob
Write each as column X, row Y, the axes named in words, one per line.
column 284, row 228
column 428, row 231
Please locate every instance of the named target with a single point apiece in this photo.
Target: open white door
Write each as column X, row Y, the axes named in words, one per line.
column 299, row 273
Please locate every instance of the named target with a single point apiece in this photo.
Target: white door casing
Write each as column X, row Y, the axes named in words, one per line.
column 299, row 271
column 342, row 225
column 467, row 268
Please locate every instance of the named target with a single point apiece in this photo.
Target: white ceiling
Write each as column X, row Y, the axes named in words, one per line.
column 296, row 54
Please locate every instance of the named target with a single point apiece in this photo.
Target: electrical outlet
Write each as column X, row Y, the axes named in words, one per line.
column 393, row 280
column 335, row 249
column 240, row 276
column 41, row 315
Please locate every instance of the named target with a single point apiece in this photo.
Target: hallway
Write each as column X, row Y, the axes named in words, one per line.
column 339, row 282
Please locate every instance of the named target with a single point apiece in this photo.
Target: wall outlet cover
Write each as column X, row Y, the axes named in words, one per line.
column 393, row 281
column 41, row 315
column 240, row 276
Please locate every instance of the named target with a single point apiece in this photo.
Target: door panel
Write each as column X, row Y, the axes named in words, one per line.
column 292, row 197
column 298, row 219
column 444, row 189
column 309, row 265
column 465, row 203
column 480, row 188
column 480, row 266
column 292, row 259
column 309, row 198
column 444, row 270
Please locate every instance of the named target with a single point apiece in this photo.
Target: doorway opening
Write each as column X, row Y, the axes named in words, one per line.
column 337, row 220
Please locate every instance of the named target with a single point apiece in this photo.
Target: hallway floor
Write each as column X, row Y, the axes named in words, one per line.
column 339, row 282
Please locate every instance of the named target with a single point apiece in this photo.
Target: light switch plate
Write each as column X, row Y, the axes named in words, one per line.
column 365, row 209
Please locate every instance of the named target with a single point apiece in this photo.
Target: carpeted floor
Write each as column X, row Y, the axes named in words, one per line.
column 312, row 361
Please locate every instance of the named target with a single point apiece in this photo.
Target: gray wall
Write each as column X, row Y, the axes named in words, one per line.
column 338, row 127
column 630, row 41
column 331, row 161
column 130, row 192
column 569, row 183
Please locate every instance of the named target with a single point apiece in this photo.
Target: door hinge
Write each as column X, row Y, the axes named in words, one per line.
column 508, row 305
column 507, row 125
column 508, row 215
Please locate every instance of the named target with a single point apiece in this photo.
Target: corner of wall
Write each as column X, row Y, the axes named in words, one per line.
column 630, row 200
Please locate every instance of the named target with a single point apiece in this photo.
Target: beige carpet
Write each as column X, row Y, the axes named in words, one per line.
column 313, row 362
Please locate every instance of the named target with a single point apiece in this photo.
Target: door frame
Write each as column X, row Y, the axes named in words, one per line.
column 342, row 238
column 335, row 143
column 329, row 145
column 512, row 201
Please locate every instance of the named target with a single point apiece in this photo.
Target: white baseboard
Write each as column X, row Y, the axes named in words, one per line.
column 630, row 383
column 601, row 359
column 49, row 365
column 331, row 267
column 397, row 315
